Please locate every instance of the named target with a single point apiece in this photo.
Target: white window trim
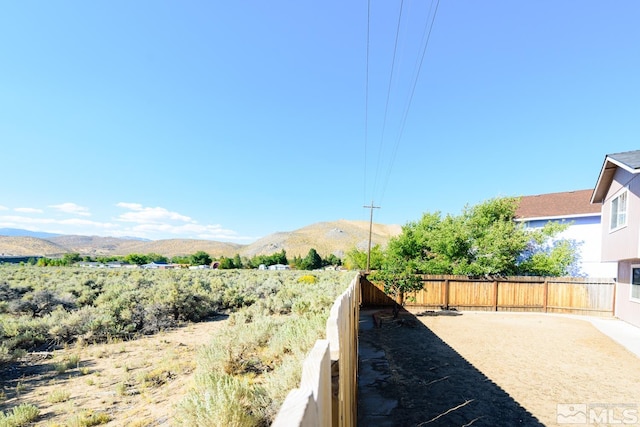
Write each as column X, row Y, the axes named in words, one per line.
column 626, row 220
column 631, row 285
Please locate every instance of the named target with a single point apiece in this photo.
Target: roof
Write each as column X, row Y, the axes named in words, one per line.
column 629, row 160
column 555, row 205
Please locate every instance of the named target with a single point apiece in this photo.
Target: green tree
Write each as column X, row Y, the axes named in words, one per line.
column 237, row 261
column 201, row 258
column 181, row 259
column 276, row 258
column 399, row 277
column 312, row 261
column 226, row 263
column 483, row 240
column 153, row 257
column 71, row 258
column 357, row 259
column 332, row 259
column 138, row 259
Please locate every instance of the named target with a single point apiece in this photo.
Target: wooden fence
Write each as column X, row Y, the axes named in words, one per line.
column 590, row 296
column 327, row 395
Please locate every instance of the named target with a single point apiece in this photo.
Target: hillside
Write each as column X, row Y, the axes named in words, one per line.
column 334, row 237
column 25, row 246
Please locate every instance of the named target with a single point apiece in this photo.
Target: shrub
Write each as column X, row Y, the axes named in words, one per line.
column 308, row 279
column 21, row 415
column 227, row 401
column 59, row 395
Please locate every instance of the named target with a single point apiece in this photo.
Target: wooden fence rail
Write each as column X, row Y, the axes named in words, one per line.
column 327, row 395
column 534, row 294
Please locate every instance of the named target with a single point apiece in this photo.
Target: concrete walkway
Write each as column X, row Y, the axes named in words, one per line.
column 620, row 331
column 373, row 375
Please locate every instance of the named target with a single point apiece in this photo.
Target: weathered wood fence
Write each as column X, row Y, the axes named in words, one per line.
column 595, row 297
column 327, row 395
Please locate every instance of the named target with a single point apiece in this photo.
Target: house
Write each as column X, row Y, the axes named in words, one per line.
column 157, row 266
column 584, row 219
column 617, row 192
column 279, row 267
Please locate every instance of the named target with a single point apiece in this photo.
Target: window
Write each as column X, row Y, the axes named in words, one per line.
column 619, row 211
column 635, row 282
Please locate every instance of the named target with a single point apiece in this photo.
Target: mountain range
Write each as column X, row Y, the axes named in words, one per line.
column 334, row 237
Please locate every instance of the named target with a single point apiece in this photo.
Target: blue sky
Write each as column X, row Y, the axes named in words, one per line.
column 234, row 120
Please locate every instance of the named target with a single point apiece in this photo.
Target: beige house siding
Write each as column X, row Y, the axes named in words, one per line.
column 624, row 242
column 625, row 308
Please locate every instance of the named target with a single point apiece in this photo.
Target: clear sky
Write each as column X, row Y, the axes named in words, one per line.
column 232, row 120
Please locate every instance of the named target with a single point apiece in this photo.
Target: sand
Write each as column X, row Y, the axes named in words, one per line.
column 488, row 368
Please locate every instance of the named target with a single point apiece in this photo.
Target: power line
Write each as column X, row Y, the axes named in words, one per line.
column 428, row 29
column 386, row 108
column 366, row 102
column 426, row 36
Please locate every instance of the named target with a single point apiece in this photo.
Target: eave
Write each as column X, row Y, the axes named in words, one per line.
column 605, row 178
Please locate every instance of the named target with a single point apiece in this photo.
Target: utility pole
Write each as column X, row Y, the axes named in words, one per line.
column 371, row 207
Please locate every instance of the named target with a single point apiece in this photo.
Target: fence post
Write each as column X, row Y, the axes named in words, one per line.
column 495, row 295
column 613, row 303
column 546, row 295
column 446, row 294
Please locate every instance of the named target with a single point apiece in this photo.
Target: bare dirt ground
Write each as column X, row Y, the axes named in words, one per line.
column 136, row 383
column 500, row 369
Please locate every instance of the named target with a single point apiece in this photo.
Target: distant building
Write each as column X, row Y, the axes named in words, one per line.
column 575, row 208
column 157, row 266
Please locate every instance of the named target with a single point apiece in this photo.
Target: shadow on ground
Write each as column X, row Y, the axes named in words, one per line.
column 410, row 377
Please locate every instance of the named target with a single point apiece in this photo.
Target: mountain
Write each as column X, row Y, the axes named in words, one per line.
column 335, row 237
column 17, row 232
column 28, row 246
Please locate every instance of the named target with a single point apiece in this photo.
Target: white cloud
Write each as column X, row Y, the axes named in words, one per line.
column 153, row 222
column 24, row 221
column 137, row 220
column 193, row 230
column 72, row 208
column 28, row 210
column 145, row 215
column 3, row 208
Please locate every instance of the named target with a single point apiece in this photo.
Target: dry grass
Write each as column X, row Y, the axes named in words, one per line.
column 122, row 383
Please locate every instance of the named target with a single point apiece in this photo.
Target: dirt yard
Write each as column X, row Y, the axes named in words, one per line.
column 503, row 369
column 137, row 383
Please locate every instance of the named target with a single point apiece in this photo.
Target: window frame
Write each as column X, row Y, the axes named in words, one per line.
column 617, row 213
column 635, row 285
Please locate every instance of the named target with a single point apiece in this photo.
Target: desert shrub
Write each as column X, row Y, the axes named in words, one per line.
column 88, row 419
column 308, row 279
column 227, row 401
column 58, row 395
column 41, row 302
column 21, row 415
column 275, row 317
column 263, row 348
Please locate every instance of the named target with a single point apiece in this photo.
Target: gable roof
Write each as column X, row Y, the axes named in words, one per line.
column 557, row 205
column 629, row 160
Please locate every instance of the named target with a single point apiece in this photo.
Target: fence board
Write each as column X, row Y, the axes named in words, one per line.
column 327, row 395
column 316, row 376
column 300, row 406
column 591, row 296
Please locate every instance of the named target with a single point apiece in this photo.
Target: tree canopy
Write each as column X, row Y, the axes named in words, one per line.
column 484, row 239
